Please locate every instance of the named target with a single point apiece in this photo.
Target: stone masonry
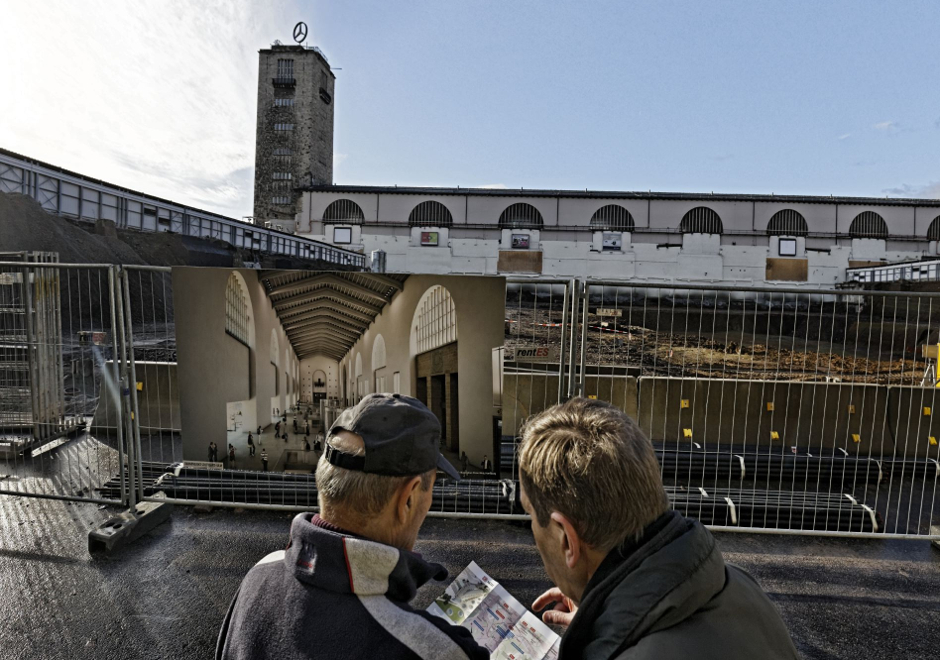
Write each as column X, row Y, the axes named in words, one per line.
column 294, row 142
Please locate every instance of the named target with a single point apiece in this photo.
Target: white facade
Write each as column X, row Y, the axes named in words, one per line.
column 656, row 249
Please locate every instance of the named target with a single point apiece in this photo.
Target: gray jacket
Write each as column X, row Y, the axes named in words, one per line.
column 673, row 596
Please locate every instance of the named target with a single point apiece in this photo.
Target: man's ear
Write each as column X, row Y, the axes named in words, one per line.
column 408, row 498
column 567, row 535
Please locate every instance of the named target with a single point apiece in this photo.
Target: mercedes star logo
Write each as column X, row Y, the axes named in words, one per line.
column 300, row 32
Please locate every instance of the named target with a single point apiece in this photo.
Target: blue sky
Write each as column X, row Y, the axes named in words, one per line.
column 788, row 97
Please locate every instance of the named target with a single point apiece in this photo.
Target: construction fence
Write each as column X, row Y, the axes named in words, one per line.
column 808, row 411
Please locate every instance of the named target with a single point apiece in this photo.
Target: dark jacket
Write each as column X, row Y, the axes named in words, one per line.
column 673, row 596
column 331, row 595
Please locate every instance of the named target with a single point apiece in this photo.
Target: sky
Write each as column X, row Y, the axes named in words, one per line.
column 813, row 98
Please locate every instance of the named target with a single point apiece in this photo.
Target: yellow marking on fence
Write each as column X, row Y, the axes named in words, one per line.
column 933, row 441
column 856, row 437
column 774, row 435
column 770, row 406
column 592, row 396
column 140, row 387
column 926, row 411
column 851, row 408
column 683, row 403
column 687, row 433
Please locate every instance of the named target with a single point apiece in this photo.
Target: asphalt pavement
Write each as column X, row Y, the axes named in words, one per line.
column 165, row 595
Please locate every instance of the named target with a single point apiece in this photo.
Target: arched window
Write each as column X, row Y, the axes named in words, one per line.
column 787, row 222
column 343, row 212
column 358, row 365
column 435, row 320
column 520, row 216
column 236, row 309
column 378, row 353
column 274, row 350
column 933, row 233
column 430, row 214
column 868, row 224
column 613, row 217
column 701, row 220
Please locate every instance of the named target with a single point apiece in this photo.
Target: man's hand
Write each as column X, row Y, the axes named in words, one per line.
column 561, row 608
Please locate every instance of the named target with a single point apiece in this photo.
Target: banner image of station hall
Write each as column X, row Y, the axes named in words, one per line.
column 278, row 354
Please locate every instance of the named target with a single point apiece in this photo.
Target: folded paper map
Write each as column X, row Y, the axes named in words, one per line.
column 498, row 621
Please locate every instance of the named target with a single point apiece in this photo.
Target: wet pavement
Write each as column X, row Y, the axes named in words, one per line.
column 165, row 595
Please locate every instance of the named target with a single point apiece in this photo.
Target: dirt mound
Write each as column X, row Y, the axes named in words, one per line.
column 24, row 225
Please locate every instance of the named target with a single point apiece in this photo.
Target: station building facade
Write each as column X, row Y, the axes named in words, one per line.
column 657, row 237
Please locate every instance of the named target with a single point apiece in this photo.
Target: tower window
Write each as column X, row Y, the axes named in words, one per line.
column 283, row 127
column 285, row 68
column 281, row 176
column 280, row 200
column 280, row 103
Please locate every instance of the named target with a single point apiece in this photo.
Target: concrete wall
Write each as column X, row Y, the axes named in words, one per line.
column 216, row 369
column 479, row 304
column 158, row 399
column 656, row 252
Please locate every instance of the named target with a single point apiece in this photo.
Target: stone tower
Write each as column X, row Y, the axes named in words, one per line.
column 294, row 142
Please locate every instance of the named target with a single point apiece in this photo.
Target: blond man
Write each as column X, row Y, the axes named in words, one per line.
column 634, row 579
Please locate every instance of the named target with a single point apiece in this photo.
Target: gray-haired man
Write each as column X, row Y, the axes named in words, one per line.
column 342, row 587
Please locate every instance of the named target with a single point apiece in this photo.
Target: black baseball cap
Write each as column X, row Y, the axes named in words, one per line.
column 401, row 437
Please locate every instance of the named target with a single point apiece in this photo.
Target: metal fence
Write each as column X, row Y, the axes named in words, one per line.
column 770, row 409
column 60, row 358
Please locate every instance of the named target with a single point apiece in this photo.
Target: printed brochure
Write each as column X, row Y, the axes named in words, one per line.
column 498, row 621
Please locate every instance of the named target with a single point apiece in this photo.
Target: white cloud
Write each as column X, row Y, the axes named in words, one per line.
column 495, row 186
column 157, row 96
column 929, row 191
column 886, row 126
column 846, row 136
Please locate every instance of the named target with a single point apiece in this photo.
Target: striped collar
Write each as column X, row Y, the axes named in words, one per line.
column 343, row 563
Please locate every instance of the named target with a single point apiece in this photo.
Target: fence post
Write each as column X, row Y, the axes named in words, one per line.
column 575, row 301
column 563, row 348
column 135, row 408
column 116, row 382
column 124, row 385
column 584, row 327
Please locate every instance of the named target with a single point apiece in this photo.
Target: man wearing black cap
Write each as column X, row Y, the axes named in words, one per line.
column 342, row 587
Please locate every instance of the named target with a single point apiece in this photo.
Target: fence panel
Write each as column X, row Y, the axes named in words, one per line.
column 538, row 365
column 778, row 409
column 57, row 378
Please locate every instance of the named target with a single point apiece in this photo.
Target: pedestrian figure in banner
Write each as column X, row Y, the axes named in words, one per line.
column 317, row 446
column 295, row 425
column 285, row 436
column 259, row 430
column 277, row 428
column 231, row 456
column 264, row 459
column 306, row 445
column 487, row 465
column 213, row 452
column 463, row 461
column 251, row 445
